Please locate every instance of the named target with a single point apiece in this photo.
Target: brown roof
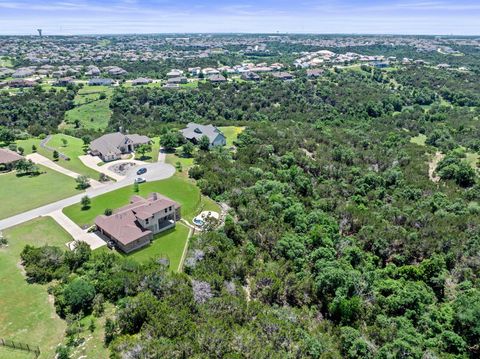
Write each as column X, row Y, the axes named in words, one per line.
column 7, row 156
column 123, row 224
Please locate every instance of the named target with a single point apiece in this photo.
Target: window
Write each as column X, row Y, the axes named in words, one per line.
column 166, row 209
column 146, row 221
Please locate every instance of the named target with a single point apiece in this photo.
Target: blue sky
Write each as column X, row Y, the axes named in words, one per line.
column 68, row 17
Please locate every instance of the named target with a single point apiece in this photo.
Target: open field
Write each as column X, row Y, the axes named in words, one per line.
column 169, row 244
column 181, row 190
column 31, row 320
column 20, row 194
column 231, row 133
column 90, row 111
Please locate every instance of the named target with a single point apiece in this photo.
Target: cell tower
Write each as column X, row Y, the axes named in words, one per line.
column 39, row 32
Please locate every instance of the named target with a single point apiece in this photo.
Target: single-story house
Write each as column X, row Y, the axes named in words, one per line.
column 141, row 81
column 177, row 80
column 64, row 81
column 216, row 79
column 283, row 76
column 111, row 146
column 18, row 83
column 8, row 159
column 194, row 132
column 134, row 225
column 311, row 73
column 250, row 76
column 100, row 82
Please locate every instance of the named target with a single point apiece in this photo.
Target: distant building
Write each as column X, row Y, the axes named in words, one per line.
column 312, row 73
column 250, row 76
column 177, row 80
column 216, row 79
column 285, row 76
column 19, row 83
column 141, row 81
column 64, row 81
column 132, row 227
column 174, row 73
column 100, row 82
column 194, row 132
column 111, row 146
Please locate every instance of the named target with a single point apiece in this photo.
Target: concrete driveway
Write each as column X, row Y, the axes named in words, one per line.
column 93, row 161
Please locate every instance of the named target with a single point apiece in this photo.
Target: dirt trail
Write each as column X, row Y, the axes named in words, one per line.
column 432, row 166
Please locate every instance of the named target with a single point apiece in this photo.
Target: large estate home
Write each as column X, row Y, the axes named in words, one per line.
column 194, row 132
column 133, row 226
column 111, row 146
column 8, row 159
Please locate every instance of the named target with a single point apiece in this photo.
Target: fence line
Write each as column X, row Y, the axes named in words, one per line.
column 20, row 346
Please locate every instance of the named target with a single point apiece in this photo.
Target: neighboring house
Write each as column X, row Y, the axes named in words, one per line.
column 8, row 159
column 64, row 81
column 100, row 82
column 141, row 81
column 194, row 132
column 177, row 80
column 283, row 76
column 18, row 83
column 314, row 73
column 111, row 146
column 134, row 225
column 174, row 73
column 216, row 79
column 250, row 76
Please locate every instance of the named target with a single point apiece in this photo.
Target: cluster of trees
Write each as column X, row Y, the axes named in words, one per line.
column 35, row 111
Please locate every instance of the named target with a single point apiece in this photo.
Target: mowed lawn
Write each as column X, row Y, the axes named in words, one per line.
column 169, row 244
column 73, row 149
column 20, row 194
column 91, row 111
column 28, row 314
column 231, row 133
column 177, row 188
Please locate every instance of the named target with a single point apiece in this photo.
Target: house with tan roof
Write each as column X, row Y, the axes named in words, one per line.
column 133, row 226
column 111, row 146
column 8, row 159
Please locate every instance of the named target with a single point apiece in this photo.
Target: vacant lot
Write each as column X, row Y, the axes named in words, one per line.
column 20, row 194
column 27, row 313
column 181, row 190
column 91, row 111
column 231, row 133
column 419, row 140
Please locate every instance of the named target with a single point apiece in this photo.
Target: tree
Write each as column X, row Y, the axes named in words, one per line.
column 79, row 295
column 20, row 150
column 108, row 212
column 85, row 201
column 110, row 330
column 55, row 155
column 86, row 140
column 187, row 149
column 98, row 305
column 34, row 148
column 3, row 240
column 204, row 143
column 142, row 149
column 64, row 142
column 6, row 135
column 78, row 256
column 83, row 182
column 135, row 187
column 26, row 167
column 103, row 177
column 169, row 140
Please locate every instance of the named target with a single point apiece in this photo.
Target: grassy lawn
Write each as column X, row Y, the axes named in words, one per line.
column 151, row 156
column 231, row 133
column 32, row 319
column 73, row 149
column 193, row 84
column 169, row 244
column 419, row 140
column 186, row 162
column 5, row 62
column 177, row 188
column 20, row 194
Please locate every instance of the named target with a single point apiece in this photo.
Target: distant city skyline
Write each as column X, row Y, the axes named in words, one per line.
column 407, row 17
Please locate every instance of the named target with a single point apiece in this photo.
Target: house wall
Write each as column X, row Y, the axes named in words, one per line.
column 220, row 140
column 139, row 243
column 164, row 215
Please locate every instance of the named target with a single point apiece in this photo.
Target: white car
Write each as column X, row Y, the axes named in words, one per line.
column 140, row 180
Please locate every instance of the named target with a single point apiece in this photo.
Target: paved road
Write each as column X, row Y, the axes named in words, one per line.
column 155, row 172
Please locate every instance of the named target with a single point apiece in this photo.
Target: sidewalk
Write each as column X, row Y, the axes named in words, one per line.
column 75, row 231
